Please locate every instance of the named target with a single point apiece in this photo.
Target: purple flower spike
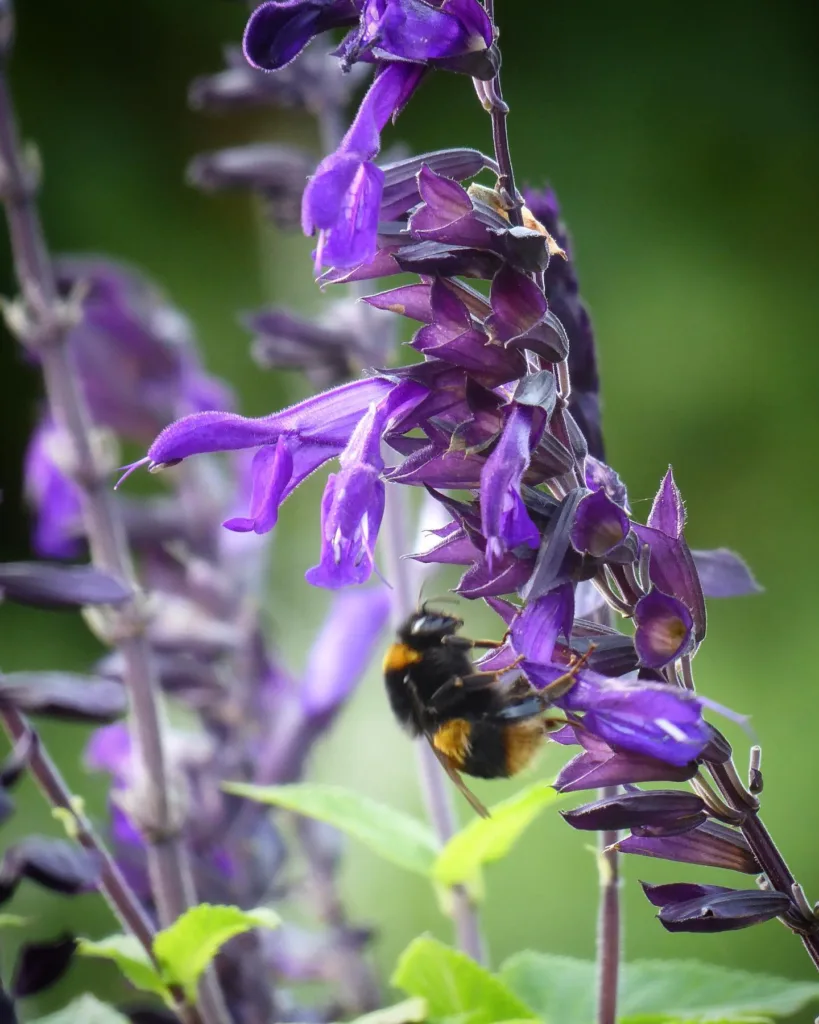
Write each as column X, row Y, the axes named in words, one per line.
column 342, row 200
column 600, row 525
column 343, row 648
column 664, row 629
column 670, row 810
column 279, row 30
column 505, row 521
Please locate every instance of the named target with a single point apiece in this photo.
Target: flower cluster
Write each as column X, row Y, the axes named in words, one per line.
column 500, row 422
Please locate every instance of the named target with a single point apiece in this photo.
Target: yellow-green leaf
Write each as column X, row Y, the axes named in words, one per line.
column 185, row 949
column 488, row 839
column 130, row 956
column 454, row 985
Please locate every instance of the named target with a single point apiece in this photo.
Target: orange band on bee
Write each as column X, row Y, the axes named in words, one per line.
column 452, row 739
column 399, row 657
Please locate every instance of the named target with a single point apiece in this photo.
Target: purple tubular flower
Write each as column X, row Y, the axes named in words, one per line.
column 599, row 766
column 664, row 629
column 714, row 908
column 325, row 420
column 520, row 316
column 506, row 523
column 669, row 810
column 342, row 200
column 711, row 844
column 342, row 649
column 352, row 508
column 279, row 30
column 55, row 498
column 600, row 525
column 672, row 568
column 723, row 573
column 456, row 35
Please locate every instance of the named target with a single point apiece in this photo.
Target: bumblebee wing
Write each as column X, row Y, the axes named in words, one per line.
column 527, row 708
column 455, row 775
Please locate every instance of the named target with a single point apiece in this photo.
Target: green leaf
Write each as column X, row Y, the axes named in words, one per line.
column 453, row 985
column 130, row 956
column 488, row 839
column 13, row 921
column 662, row 992
column 87, row 1009
column 185, row 949
column 653, row 1018
column 410, row 1011
column 396, row 836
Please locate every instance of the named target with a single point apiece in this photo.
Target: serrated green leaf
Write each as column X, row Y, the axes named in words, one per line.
column 454, row 985
column 562, row 989
column 185, row 949
column 129, row 955
column 487, row 839
column 396, row 836
column 408, row 1011
column 87, row 1009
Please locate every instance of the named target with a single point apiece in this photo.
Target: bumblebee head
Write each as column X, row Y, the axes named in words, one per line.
column 427, row 627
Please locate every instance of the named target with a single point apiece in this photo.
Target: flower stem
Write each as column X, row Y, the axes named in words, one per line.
column 608, row 922
column 499, row 112
column 121, row 898
column 434, row 786
column 42, row 320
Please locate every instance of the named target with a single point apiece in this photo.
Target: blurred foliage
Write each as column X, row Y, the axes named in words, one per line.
column 682, row 141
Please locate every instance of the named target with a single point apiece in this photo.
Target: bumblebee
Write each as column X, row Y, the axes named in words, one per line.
column 477, row 723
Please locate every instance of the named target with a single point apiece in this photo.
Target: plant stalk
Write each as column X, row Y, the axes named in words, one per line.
column 43, row 321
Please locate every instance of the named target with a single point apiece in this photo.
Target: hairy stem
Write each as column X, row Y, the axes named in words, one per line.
column 500, row 138
column 434, row 786
column 42, row 320
column 121, row 898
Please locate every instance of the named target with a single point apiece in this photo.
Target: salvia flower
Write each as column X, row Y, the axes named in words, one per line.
column 453, row 34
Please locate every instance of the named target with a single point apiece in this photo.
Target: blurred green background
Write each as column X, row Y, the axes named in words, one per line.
column 683, row 144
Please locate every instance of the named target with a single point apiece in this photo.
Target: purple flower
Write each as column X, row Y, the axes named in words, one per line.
column 687, row 907
column 664, row 629
column 343, row 198
column 56, row 498
column 352, row 508
column 453, row 34
column 505, row 521
column 653, row 720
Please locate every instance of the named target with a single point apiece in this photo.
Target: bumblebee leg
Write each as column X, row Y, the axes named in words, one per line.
column 454, row 689
column 464, row 643
column 558, row 687
column 455, row 775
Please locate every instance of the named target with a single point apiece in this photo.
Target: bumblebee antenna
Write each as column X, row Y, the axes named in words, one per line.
column 438, row 599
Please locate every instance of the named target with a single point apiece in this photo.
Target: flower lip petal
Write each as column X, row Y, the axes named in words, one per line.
column 599, row 525
column 278, row 31
column 664, row 629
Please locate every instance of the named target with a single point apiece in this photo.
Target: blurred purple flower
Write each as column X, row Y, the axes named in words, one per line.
column 55, row 498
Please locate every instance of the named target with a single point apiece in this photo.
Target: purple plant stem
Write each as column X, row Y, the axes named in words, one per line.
column 121, row 898
column 434, row 785
column 765, row 850
column 608, row 921
column 500, row 137
column 45, row 329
